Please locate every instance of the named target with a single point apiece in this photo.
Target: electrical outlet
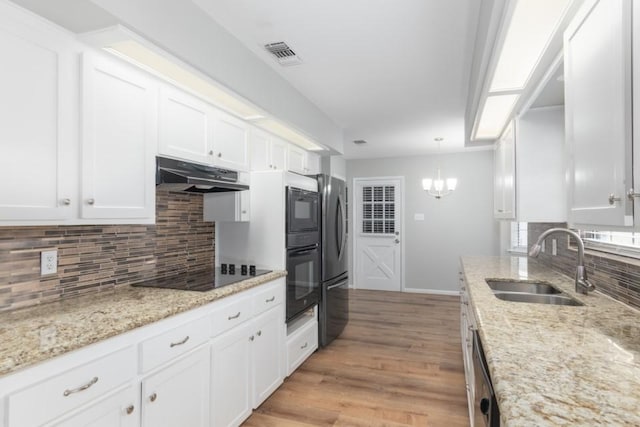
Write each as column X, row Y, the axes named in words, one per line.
column 554, row 247
column 48, row 262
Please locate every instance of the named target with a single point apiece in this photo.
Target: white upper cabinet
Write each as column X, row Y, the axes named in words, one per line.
column 38, row 86
column 279, row 154
column 230, row 142
column 186, row 126
column 119, row 140
column 597, row 49
column 540, row 165
column 313, row 164
column 504, row 179
column 266, row 151
column 297, row 159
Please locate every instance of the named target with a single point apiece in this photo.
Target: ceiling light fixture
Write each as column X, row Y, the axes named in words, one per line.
column 133, row 48
column 524, row 40
column 436, row 187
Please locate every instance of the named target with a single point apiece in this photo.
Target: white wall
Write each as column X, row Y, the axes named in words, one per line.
column 459, row 224
column 184, row 30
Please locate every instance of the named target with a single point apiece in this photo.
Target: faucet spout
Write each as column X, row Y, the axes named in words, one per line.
column 583, row 285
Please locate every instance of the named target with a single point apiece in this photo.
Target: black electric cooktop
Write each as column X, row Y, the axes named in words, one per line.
column 200, row 281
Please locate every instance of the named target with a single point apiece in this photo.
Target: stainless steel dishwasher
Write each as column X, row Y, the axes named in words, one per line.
column 486, row 412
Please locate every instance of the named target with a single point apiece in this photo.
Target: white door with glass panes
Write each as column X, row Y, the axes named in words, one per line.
column 378, row 233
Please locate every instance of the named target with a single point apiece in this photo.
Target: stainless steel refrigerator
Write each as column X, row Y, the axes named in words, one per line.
column 334, row 298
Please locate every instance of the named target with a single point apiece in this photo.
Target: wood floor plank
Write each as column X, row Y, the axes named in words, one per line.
column 398, row 363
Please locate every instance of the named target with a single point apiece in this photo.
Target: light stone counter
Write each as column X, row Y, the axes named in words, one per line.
column 556, row 365
column 38, row 333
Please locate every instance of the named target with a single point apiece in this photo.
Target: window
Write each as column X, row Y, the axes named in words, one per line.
column 518, row 237
column 618, row 242
column 378, row 209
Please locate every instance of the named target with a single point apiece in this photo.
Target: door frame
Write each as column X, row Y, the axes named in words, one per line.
column 354, row 220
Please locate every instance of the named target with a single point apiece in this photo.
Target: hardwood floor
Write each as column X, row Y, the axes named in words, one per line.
column 398, row 363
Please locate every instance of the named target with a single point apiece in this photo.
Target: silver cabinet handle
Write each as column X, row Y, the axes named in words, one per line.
column 272, row 299
column 306, row 344
column 235, row 316
column 613, row 199
column 631, row 194
column 251, row 338
column 67, row 392
column 259, row 333
column 91, row 201
column 219, row 154
column 66, row 202
column 130, row 409
column 211, row 152
column 153, row 397
column 184, row 340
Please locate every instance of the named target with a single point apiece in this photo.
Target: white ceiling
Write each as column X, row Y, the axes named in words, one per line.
column 394, row 73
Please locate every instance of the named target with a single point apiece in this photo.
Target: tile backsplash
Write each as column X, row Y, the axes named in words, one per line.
column 611, row 274
column 92, row 258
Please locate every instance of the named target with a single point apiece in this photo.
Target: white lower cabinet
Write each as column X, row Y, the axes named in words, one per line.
column 231, row 376
column 117, row 410
column 178, row 395
column 246, row 367
column 467, row 326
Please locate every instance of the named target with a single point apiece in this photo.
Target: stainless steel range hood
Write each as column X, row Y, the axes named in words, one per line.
column 178, row 175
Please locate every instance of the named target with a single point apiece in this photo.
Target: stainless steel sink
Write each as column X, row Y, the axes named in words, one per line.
column 522, row 286
column 537, row 298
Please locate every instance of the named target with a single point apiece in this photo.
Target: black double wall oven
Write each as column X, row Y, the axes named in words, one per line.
column 303, row 251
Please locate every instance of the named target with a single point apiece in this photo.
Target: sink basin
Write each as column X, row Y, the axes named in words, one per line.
column 537, row 298
column 520, row 286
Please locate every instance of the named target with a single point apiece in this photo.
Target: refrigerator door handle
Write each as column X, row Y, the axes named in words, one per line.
column 341, row 235
column 337, row 285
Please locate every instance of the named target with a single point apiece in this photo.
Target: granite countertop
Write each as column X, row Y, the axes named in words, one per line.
column 556, row 365
column 34, row 334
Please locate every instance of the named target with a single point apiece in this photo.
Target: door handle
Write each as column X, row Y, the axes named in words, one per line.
column 344, row 282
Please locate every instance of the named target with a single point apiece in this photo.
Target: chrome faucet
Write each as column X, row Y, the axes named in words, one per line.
column 582, row 283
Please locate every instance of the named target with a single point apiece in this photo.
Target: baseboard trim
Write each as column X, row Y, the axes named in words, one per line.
column 431, row 291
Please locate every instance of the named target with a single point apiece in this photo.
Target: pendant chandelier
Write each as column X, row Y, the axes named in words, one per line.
column 439, row 187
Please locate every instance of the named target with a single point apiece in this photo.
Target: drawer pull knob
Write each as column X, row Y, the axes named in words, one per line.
column 306, row 344
column 66, row 202
column 259, row 333
column 251, row 338
column 130, row 409
column 272, row 299
column 153, row 397
column 174, row 344
column 91, row 202
column 67, row 392
column 235, row 316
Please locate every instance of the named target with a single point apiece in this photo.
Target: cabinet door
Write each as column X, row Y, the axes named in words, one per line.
column 38, row 147
column 279, row 154
column 179, row 394
column 186, row 126
column 227, row 207
column 267, row 352
column 230, row 142
column 231, row 401
column 259, row 150
column 119, row 140
column 598, row 113
column 504, row 191
column 296, row 159
column 117, row 410
column 313, row 164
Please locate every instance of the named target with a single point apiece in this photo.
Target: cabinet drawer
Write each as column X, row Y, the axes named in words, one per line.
column 59, row 394
column 301, row 345
column 229, row 315
column 268, row 297
column 168, row 345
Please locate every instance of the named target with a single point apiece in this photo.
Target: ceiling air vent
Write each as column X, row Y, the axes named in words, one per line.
column 359, row 141
column 283, row 53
